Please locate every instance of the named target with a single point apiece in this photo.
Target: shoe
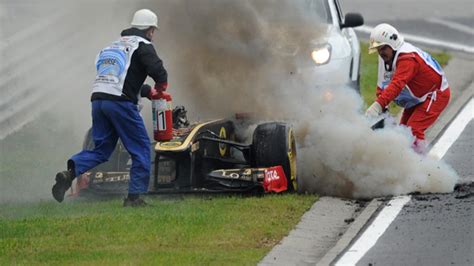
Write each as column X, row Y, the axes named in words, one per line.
column 139, row 202
column 63, row 183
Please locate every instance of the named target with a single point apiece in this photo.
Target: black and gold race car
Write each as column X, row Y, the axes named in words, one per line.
column 206, row 157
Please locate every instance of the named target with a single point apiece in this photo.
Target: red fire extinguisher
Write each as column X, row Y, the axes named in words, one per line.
column 162, row 114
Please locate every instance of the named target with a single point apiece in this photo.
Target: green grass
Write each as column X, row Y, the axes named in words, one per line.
column 192, row 230
column 368, row 74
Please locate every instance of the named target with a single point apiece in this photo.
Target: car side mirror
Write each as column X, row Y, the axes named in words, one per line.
column 352, row 20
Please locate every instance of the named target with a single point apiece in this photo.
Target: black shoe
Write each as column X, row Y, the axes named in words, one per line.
column 63, row 183
column 139, row 202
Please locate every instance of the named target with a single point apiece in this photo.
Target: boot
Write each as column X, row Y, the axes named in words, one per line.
column 63, row 183
column 138, row 202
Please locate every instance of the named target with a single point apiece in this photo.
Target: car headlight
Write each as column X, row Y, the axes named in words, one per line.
column 322, row 54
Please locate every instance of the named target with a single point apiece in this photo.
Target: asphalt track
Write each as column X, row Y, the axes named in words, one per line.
column 433, row 229
column 435, row 24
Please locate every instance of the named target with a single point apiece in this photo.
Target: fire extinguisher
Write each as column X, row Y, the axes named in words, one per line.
column 162, row 114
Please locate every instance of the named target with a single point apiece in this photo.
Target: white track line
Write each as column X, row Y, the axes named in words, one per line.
column 368, row 239
column 428, row 41
column 454, row 130
column 452, row 25
column 388, row 214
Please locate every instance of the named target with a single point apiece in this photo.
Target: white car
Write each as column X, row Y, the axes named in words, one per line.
column 337, row 58
column 329, row 55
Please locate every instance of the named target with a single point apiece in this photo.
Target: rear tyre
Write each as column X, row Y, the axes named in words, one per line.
column 274, row 144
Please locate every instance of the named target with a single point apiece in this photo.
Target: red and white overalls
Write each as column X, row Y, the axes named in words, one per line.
column 417, row 83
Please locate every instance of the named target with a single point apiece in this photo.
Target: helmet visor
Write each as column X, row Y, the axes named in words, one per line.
column 374, row 45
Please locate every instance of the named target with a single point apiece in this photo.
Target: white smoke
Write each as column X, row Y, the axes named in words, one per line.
column 341, row 155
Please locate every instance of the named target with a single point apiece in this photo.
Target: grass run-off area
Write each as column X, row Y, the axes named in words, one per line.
column 217, row 230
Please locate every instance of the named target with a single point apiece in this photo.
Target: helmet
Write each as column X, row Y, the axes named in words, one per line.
column 144, row 18
column 385, row 34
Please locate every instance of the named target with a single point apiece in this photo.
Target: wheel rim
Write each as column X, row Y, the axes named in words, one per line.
column 292, row 159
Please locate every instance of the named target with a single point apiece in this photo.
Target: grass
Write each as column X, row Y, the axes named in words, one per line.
column 368, row 74
column 191, row 230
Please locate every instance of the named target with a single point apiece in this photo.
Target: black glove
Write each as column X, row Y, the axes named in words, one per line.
column 145, row 90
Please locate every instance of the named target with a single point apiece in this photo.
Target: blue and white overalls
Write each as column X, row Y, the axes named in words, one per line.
column 113, row 119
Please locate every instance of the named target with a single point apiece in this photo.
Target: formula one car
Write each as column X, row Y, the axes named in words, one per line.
column 205, row 157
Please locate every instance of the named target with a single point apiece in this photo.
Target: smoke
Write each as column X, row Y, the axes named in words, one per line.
column 236, row 56
column 47, row 52
column 228, row 56
column 340, row 155
column 223, row 57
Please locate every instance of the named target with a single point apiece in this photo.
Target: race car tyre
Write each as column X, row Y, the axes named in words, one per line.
column 274, row 144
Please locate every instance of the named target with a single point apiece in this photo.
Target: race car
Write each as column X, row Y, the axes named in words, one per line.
column 205, row 157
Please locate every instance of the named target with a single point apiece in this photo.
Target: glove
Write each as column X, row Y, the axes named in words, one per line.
column 374, row 110
column 145, row 90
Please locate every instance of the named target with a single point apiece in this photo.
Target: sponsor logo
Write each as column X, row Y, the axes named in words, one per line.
column 101, row 177
column 229, row 174
column 271, row 175
column 246, row 174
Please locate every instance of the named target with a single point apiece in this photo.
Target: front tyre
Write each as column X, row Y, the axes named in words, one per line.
column 274, row 144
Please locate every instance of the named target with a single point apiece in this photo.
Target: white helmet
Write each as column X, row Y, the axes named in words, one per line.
column 143, row 19
column 385, row 34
